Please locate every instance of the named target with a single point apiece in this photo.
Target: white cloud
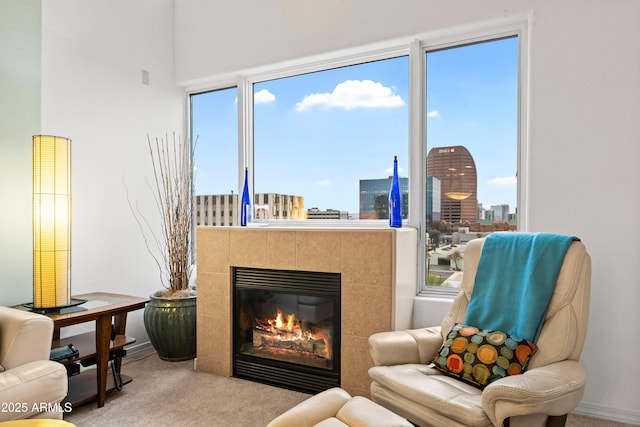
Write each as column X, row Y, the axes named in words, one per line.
column 434, row 113
column 352, row 94
column 263, row 97
column 504, row 180
column 324, row 182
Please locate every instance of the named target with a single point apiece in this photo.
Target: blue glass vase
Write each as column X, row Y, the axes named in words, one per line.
column 395, row 198
column 245, row 207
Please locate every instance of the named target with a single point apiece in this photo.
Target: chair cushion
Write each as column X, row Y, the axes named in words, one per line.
column 361, row 412
column 480, row 357
column 432, row 394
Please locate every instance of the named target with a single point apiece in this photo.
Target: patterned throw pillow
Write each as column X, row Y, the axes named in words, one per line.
column 480, row 357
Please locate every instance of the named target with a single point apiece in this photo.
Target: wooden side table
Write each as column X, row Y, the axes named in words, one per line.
column 106, row 309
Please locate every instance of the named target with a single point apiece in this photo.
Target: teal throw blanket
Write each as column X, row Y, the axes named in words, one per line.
column 516, row 276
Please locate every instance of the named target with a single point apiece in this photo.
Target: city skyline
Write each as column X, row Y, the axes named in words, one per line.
column 318, row 134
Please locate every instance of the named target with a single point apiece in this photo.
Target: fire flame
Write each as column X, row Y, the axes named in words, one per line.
column 291, row 330
column 277, row 325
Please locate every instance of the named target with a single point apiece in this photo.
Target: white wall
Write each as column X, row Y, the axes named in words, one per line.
column 583, row 134
column 92, row 92
column 93, row 53
column 20, row 37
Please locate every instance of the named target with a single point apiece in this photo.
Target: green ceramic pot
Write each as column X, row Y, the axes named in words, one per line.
column 171, row 326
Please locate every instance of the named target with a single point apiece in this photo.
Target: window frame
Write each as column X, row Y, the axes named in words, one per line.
column 415, row 48
column 451, row 39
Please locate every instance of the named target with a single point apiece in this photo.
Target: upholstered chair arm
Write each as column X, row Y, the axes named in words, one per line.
column 554, row 389
column 401, row 347
column 24, row 337
column 30, row 385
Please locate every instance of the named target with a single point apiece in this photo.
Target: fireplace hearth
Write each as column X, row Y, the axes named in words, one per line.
column 286, row 328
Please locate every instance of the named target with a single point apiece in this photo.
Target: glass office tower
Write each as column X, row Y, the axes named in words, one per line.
column 374, row 198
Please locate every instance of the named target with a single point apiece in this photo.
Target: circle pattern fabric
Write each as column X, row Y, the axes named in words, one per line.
column 480, row 357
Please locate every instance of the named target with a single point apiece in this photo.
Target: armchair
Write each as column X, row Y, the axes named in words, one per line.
column 405, row 381
column 31, row 385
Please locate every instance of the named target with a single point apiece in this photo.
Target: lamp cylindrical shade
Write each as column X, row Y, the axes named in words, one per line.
column 51, row 221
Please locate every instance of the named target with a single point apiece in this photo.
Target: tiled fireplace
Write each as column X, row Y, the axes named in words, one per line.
column 376, row 266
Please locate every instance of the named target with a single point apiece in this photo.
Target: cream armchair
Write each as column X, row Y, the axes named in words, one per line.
column 31, row 385
column 404, row 381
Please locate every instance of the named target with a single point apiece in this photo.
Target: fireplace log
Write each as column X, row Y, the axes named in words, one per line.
column 288, row 341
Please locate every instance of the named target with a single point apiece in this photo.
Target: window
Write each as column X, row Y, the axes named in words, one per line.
column 324, row 139
column 214, row 130
column 318, row 140
column 472, row 146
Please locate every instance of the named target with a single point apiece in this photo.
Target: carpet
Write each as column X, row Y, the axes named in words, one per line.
column 173, row 394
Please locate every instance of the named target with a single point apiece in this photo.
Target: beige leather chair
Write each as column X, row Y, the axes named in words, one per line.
column 31, row 385
column 404, row 382
column 337, row 408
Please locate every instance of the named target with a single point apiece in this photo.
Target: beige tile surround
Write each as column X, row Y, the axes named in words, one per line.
column 374, row 296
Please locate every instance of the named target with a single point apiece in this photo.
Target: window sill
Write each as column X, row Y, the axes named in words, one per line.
column 429, row 310
column 325, row 224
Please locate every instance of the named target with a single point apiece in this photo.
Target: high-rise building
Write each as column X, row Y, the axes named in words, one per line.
column 500, row 212
column 223, row 210
column 374, row 198
column 456, row 170
column 216, row 209
column 434, row 191
column 315, row 213
column 278, row 206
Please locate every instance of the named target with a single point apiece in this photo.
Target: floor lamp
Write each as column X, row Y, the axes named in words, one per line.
column 51, row 218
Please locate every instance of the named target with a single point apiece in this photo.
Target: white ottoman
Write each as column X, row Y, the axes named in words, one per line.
column 336, row 408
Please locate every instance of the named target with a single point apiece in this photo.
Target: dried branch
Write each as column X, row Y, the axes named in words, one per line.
column 172, row 190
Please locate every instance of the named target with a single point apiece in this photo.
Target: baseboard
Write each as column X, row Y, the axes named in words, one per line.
column 620, row 415
column 134, row 349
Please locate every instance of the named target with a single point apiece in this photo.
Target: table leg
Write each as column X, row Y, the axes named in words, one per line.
column 120, row 326
column 103, row 337
column 120, row 323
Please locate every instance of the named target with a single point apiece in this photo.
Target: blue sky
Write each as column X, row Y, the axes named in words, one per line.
column 317, row 135
column 319, row 143
column 472, row 100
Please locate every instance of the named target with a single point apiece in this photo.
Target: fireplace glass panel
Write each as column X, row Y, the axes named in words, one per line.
column 294, row 328
column 287, row 328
